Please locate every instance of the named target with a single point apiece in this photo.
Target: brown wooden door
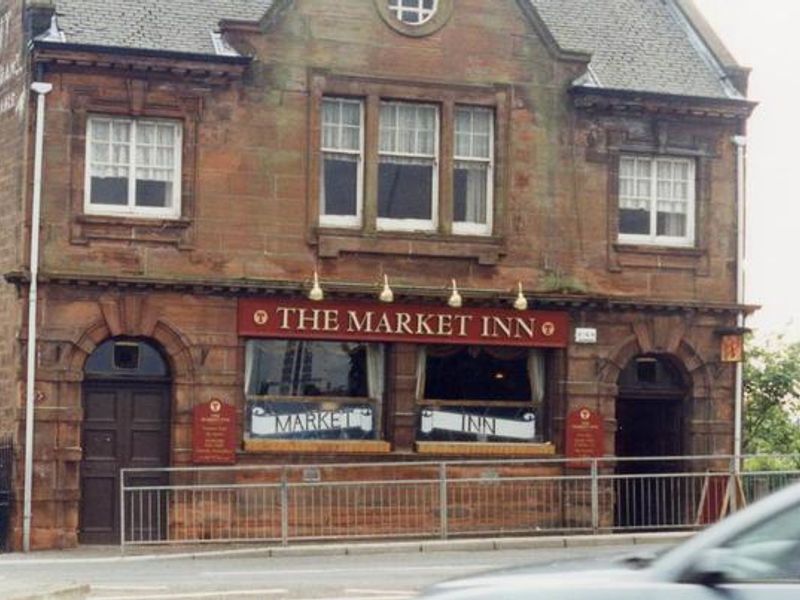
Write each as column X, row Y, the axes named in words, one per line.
column 124, row 425
column 648, row 427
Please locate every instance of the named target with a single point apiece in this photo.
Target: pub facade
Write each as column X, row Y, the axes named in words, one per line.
column 363, row 231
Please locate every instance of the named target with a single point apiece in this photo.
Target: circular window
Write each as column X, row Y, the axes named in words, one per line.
column 413, row 12
column 415, row 17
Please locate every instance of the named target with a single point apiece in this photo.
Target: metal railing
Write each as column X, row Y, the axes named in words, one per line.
column 284, row 504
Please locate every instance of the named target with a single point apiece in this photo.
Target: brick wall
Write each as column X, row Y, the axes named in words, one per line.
column 12, row 135
column 249, row 192
column 254, row 200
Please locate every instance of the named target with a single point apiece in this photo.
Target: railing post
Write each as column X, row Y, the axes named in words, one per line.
column 733, row 497
column 443, row 500
column 284, row 510
column 595, row 497
column 122, row 511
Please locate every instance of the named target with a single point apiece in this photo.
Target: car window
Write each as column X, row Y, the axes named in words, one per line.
column 768, row 552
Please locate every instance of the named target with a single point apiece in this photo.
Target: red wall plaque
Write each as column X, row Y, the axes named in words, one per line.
column 214, row 433
column 584, row 436
column 427, row 324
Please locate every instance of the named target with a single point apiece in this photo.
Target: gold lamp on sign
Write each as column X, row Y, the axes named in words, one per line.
column 520, row 302
column 455, row 298
column 315, row 293
column 386, row 295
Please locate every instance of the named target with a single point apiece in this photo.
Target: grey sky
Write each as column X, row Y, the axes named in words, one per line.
column 762, row 34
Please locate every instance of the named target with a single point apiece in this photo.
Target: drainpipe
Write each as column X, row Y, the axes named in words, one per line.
column 740, row 142
column 41, row 89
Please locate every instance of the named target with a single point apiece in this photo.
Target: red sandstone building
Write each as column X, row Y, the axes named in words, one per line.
column 377, row 230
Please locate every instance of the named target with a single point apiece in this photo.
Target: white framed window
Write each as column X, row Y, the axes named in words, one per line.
column 473, row 170
column 408, row 182
column 656, row 200
column 133, row 167
column 342, row 168
column 413, row 12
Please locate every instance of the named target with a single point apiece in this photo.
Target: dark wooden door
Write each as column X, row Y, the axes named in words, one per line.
column 648, row 427
column 124, row 425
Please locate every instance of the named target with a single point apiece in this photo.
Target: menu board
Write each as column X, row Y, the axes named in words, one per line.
column 214, row 433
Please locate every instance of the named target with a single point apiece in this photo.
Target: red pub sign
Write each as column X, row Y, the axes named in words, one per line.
column 374, row 322
column 214, row 433
column 584, row 436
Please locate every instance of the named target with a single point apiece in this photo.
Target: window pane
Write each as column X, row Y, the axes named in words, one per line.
column 469, row 373
column 166, row 135
column 146, row 133
column 634, row 221
column 469, row 193
column 153, row 193
column 489, row 379
column 109, row 190
column 278, row 371
column 627, row 167
column 341, row 124
column 307, row 368
column 100, row 152
column 473, row 132
column 340, row 185
column 101, row 130
column 405, row 189
column 408, row 129
column 671, row 224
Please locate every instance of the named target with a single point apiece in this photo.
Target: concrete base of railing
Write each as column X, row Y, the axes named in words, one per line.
column 59, row 592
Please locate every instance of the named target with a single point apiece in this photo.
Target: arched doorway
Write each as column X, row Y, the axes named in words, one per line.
column 650, row 413
column 126, row 423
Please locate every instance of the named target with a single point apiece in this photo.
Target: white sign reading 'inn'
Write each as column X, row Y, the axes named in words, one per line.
column 481, row 425
column 266, row 423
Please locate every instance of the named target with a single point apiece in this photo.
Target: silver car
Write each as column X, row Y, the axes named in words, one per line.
column 752, row 554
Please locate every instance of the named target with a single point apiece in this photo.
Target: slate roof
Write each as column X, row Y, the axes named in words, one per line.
column 169, row 25
column 636, row 45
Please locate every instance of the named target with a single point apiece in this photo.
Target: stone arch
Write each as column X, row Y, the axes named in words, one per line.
column 133, row 317
column 682, row 355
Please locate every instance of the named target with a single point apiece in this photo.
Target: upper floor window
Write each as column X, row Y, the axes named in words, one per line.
column 407, row 175
column 473, row 170
column 410, row 164
column 656, row 200
column 342, row 162
column 133, row 167
column 413, row 12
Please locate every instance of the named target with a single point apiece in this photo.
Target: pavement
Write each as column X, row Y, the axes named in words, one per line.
column 113, row 554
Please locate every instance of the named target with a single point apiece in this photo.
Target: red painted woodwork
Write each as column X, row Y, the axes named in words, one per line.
column 428, row 324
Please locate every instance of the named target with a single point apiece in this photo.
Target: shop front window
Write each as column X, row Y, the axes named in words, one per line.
column 481, row 394
column 298, row 389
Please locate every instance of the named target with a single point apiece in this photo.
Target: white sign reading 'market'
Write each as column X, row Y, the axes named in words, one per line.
column 479, row 424
column 264, row 422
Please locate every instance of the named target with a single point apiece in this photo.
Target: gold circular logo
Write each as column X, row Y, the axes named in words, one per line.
column 215, row 406
column 260, row 317
column 548, row 328
column 585, row 414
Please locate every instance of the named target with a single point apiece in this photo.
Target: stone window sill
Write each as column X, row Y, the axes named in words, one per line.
column 484, row 449
column 317, row 446
column 131, row 229
column 486, row 250
column 659, row 257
